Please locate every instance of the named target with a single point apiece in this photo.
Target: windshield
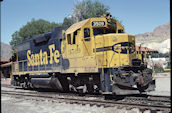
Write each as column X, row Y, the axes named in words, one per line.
column 100, row 31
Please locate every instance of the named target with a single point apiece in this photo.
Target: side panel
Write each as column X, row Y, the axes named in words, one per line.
column 79, row 53
column 41, row 54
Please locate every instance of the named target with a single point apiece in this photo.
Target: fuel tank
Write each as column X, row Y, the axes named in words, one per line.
column 50, row 83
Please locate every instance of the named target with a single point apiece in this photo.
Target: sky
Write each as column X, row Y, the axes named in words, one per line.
column 137, row 16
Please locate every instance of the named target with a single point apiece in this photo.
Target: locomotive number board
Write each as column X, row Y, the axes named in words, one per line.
column 98, row 23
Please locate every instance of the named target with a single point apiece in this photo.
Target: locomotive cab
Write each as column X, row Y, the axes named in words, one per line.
column 101, row 44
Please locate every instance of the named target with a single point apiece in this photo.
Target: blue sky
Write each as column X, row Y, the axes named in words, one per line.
column 138, row 16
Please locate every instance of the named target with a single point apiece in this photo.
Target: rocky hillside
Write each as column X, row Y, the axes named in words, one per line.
column 159, row 39
column 5, row 50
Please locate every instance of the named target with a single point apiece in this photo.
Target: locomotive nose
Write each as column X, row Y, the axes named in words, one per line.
column 124, row 49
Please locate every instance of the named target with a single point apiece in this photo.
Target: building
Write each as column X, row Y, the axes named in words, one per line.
column 5, row 68
column 148, row 50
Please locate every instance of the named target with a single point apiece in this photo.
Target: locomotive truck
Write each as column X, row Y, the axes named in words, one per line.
column 91, row 56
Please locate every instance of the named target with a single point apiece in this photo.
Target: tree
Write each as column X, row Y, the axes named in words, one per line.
column 67, row 21
column 86, row 9
column 36, row 27
column 31, row 29
column 16, row 39
column 160, row 55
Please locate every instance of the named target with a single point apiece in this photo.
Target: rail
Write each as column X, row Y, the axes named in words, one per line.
column 151, row 103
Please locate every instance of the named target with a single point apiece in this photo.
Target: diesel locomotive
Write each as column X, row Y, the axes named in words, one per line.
column 91, row 56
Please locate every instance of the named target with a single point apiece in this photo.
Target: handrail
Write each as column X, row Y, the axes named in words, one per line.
column 21, row 66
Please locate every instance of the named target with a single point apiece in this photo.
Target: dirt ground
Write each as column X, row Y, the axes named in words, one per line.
column 21, row 105
column 33, row 106
column 163, row 84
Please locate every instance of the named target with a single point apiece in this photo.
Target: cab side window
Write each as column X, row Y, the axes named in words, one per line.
column 74, row 37
column 69, row 38
column 86, row 34
column 120, row 31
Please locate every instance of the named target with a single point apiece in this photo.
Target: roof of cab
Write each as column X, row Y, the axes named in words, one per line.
column 76, row 26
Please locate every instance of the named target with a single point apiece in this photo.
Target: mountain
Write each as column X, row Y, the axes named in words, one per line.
column 159, row 39
column 5, row 50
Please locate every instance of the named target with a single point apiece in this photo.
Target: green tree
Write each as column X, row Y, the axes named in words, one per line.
column 16, row 39
column 160, row 55
column 86, row 9
column 67, row 21
column 31, row 29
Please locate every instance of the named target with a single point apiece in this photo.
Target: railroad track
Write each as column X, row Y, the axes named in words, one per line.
column 155, row 103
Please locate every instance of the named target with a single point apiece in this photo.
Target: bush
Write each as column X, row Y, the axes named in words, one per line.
column 168, row 65
column 160, row 55
column 158, row 69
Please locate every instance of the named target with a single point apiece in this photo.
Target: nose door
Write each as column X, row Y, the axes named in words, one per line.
column 87, row 42
column 124, row 53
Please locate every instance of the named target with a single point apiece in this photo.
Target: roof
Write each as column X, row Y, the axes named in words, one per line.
column 76, row 26
column 143, row 49
column 4, row 60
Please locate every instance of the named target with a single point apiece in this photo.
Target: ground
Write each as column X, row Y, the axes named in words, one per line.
column 163, row 84
column 32, row 106
column 21, row 105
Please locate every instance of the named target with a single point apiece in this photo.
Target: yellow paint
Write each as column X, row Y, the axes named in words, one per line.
column 28, row 58
column 45, row 58
column 79, row 46
column 167, row 69
column 41, row 62
column 56, row 56
column 139, row 53
column 106, row 93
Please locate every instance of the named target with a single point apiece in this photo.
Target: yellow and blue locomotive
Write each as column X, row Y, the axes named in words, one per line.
column 93, row 55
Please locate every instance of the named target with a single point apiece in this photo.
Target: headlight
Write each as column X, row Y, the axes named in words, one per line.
column 114, row 39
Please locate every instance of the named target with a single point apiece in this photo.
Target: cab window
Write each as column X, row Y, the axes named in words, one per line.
column 98, row 31
column 120, row 31
column 74, row 37
column 69, row 38
column 87, row 34
column 101, row 31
